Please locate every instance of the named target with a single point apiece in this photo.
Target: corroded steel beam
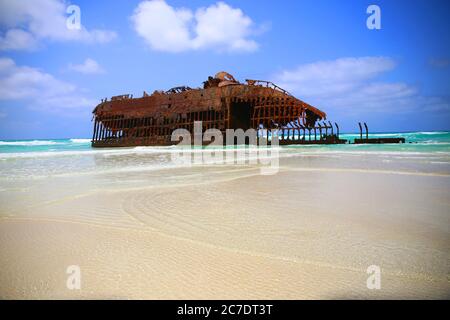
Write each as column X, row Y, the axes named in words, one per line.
column 223, row 103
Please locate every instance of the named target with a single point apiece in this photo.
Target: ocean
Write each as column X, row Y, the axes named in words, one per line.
column 438, row 141
column 298, row 222
column 49, row 157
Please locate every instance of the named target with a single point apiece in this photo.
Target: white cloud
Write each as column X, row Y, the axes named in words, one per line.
column 28, row 22
column 350, row 85
column 89, row 66
column 17, row 39
column 332, row 77
column 39, row 89
column 219, row 26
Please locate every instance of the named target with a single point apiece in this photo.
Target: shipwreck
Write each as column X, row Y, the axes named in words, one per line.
column 222, row 103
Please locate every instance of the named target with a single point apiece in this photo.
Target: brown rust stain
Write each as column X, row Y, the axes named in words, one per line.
column 223, row 103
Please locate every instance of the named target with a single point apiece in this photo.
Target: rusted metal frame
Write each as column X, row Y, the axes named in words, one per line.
column 299, row 121
column 320, row 130
column 129, row 127
column 304, row 132
column 281, row 116
column 95, row 129
column 114, row 126
column 111, row 127
column 126, row 127
column 254, row 118
column 108, row 128
column 268, row 84
column 292, row 115
column 228, row 106
column 326, row 129
column 286, row 119
column 296, row 128
column 136, row 125
column 102, row 131
column 120, row 128
column 105, row 129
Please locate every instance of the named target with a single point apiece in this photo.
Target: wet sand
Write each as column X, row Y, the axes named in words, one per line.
column 226, row 231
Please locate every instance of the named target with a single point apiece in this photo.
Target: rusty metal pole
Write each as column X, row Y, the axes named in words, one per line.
column 360, row 130
column 367, row 131
column 100, row 131
column 95, row 129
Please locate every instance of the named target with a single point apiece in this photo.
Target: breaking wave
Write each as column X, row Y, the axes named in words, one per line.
column 423, row 142
column 80, row 140
column 29, row 143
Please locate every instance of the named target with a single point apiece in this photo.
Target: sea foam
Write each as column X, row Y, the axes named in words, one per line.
column 29, row 143
column 80, row 140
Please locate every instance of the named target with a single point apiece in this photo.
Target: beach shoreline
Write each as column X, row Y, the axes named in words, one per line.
column 227, row 232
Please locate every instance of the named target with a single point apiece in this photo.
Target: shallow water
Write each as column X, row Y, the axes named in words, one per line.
column 34, row 173
column 307, row 228
column 41, row 158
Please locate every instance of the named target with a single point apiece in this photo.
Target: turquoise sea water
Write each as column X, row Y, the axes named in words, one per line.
column 29, row 160
column 438, row 141
column 36, row 171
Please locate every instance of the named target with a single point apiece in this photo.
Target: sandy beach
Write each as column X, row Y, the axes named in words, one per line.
column 198, row 154
column 225, row 231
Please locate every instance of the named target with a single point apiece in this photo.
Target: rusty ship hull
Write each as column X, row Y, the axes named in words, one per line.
column 223, row 103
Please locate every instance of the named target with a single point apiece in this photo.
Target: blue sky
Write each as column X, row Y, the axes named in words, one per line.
column 396, row 78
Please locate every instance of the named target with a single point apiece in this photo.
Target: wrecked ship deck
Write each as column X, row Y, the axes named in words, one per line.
column 223, row 103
